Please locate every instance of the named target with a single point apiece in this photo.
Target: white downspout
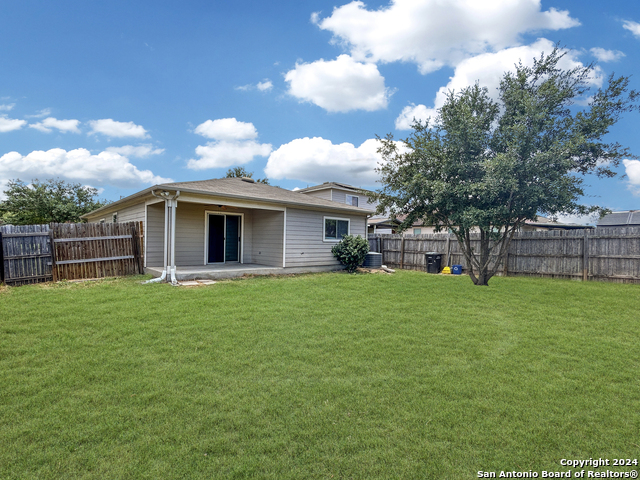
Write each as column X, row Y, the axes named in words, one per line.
column 169, row 264
column 174, row 205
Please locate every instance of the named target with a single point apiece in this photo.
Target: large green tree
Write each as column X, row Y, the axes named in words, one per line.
column 46, row 202
column 488, row 166
column 239, row 172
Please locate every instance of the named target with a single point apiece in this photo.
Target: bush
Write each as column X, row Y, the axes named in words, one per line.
column 351, row 251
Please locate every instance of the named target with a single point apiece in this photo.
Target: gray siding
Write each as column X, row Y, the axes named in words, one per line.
column 268, row 229
column 134, row 213
column 190, row 233
column 326, row 194
column 191, row 228
column 363, row 201
column 305, row 234
column 154, row 233
column 339, row 196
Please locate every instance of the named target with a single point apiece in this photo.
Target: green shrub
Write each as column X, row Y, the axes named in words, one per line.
column 351, row 251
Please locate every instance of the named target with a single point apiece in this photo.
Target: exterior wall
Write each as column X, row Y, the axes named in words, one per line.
column 191, row 230
column 263, row 235
column 154, row 235
column 305, row 237
column 363, row 201
column 133, row 213
column 326, row 194
column 268, row 229
column 340, row 196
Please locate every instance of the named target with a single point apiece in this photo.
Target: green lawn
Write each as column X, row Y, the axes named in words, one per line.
column 316, row 376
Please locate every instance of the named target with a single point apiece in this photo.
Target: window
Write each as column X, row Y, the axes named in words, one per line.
column 417, row 231
column 352, row 200
column 114, row 218
column 335, row 229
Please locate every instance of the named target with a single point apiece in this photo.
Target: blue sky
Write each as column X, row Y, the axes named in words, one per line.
column 122, row 95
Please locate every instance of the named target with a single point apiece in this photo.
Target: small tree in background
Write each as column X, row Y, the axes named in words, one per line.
column 351, row 251
column 489, row 166
column 239, row 172
column 46, row 202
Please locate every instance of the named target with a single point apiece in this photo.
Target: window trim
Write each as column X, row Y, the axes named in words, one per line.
column 206, row 235
column 324, row 228
column 419, row 231
column 348, row 196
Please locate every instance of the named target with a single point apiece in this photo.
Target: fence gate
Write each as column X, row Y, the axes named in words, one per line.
column 26, row 254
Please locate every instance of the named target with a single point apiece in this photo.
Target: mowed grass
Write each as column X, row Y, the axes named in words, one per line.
column 316, row 376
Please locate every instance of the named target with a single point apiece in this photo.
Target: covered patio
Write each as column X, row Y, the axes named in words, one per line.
column 233, row 270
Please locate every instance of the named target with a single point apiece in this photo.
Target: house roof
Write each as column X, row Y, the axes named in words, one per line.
column 620, row 219
column 545, row 222
column 327, row 185
column 239, row 189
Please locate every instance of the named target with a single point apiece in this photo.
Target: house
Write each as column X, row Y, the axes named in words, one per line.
column 628, row 218
column 350, row 195
column 231, row 226
column 541, row 224
column 342, row 193
column 544, row 224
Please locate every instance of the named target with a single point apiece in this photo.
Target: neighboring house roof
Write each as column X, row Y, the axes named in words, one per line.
column 544, row 222
column 326, row 185
column 620, row 219
column 240, row 189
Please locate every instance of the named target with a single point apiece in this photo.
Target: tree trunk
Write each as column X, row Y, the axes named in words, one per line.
column 483, row 272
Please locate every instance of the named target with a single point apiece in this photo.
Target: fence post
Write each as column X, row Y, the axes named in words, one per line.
column 54, row 269
column 505, row 267
column 402, row 252
column 585, row 256
column 446, row 248
column 134, row 246
column 1, row 258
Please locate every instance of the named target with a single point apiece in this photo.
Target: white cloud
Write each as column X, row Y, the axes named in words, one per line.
column 138, row 151
column 488, row 69
column 234, row 144
column 10, row 124
column 411, row 113
column 632, row 169
column 45, row 112
column 49, row 123
column 227, row 129
column 112, row 128
column 339, row 85
column 105, row 168
column 633, row 27
column 433, row 33
column 606, row 55
column 225, row 153
column 265, row 85
column 7, row 106
column 317, row 160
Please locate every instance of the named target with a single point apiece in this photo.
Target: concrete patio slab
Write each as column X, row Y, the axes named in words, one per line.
column 234, row 270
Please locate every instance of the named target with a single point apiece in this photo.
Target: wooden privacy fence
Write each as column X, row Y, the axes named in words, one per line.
column 25, row 256
column 70, row 251
column 608, row 254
